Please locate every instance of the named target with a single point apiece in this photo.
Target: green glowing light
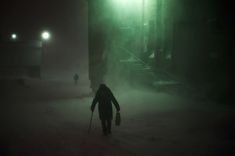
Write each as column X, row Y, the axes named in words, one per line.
column 135, row 29
column 128, row 2
column 127, row 6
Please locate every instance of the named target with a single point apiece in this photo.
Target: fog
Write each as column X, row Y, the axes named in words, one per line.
column 168, row 64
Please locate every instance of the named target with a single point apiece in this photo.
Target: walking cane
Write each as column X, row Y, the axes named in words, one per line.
column 90, row 123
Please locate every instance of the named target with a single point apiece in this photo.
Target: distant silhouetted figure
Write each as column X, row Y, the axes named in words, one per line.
column 105, row 98
column 75, row 77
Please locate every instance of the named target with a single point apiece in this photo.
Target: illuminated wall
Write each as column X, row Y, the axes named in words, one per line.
column 178, row 36
column 121, row 30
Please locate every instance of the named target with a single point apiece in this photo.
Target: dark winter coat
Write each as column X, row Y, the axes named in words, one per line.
column 104, row 97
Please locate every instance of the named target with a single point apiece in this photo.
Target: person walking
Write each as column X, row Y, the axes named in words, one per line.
column 104, row 97
column 75, row 78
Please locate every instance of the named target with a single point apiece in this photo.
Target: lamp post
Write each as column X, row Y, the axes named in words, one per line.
column 45, row 37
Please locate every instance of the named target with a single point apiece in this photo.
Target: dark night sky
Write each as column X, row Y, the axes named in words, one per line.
column 66, row 20
column 25, row 16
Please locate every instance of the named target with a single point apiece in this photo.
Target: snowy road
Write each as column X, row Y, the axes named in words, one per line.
column 51, row 119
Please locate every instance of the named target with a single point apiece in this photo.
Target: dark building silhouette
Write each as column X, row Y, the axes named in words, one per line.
column 19, row 59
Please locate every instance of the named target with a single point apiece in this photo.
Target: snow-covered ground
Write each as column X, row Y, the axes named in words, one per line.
column 51, row 118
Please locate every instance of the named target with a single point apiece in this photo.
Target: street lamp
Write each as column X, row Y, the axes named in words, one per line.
column 13, row 36
column 45, row 35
